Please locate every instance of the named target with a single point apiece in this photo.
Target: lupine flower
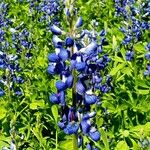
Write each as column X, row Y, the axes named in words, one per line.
column 147, row 56
column 129, row 55
column 89, row 147
column 80, row 141
column 71, row 128
column 78, row 60
column 2, row 93
column 79, row 22
column 133, row 27
column 12, row 145
column 147, row 71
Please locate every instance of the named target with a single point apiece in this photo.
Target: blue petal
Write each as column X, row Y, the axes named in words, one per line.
column 51, row 69
column 85, row 126
column 89, row 147
column 18, row 92
column 80, row 88
column 79, row 22
column 148, row 68
column 80, row 66
column 61, row 86
column 69, row 42
column 102, row 33
column 89, row 115
column 146, row 73
column 104, row 88
column 95, row 135
column 69, row 81
column 90, row 99
column 62, row 98
column 54, row 98
column 2, row 93
column 64, row 118
column 70, row 115
column 97, row 78
column 59, row 68
column 71, row 128
column 67, row 12
column 57, row 41
column 80, row 141
column 100, row 50
column 61, row 125
column 63, row 55
column 91, row 48
column 55, row 30
column 147, row 56
column 92, row 68
column 148, row 46
column 53, row 57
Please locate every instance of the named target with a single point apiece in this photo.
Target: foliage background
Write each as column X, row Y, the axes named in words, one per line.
column 124, row 115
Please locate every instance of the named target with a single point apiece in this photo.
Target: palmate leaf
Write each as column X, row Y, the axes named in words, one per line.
column 135, row 145
column 2, row 113
column 139, row 48
column 4, row 141
column 122, row 145
column 117, row 68
column 65, row 145
column 36, row 104
column 54, row 110
column 141, row 130
column 104, row 139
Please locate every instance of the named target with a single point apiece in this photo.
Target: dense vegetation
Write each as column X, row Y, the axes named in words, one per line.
column 75, row 74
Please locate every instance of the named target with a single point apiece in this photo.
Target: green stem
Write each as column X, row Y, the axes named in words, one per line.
column 13, row 121
column 56, row 139
column 75, row 136
column 75, row 142
column 74, row 101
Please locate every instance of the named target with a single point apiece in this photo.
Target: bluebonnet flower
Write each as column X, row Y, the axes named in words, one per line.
column 89, row 146
column 129, row 55
column 78, row 59
column 147, row 56
column 9, row 61
column 133, row 27
column 80, row 141
column 47, row 11
column 2, row 93
column 147, row 71
column 71, row 128
column 12, row 145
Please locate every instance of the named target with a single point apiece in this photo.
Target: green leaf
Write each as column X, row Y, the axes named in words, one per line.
column 126, row 70
column 54, row 110
column 142, row 83
column 2, row 112
column 141, row 130
column 122, row 145
column 65, row 145
column 104, row 139
column 135, row 145
column 114, row 46
column 139, row 48
column 143, row 92
column 118, row 59
column 4, row 141
column 36, row 104
column 116, row 69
